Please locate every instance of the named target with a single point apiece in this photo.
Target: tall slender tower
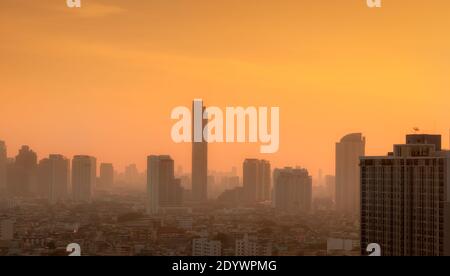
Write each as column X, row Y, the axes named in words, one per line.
column 3, row 163
column 348, row 152
column 199, row 154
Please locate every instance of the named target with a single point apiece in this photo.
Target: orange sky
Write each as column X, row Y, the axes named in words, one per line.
column 102, row 80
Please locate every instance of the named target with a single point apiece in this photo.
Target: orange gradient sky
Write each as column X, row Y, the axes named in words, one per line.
column 102, row 80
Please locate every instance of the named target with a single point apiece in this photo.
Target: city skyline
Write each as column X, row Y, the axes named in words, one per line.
column 224, row 128
column 127, row 64
column 127, row 164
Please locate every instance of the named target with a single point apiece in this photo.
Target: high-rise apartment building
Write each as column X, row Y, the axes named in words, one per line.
column 405, row 204
column 53, row 178
column 84, row 174
column 348, row 152
column 106, row 176
column 163, row 189
column 264, row 194
column 256, row 180
column 22, row 174
column 292, row 190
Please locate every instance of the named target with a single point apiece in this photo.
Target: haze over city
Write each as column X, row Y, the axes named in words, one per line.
column 102, row 80
column 224, row 128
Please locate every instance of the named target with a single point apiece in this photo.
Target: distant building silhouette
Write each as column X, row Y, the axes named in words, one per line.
column 405, row 202
column 84, row 174
column 21, row 175
column 256, row 180
column 53, row 178
column 199, row 158
column 232, row 197
column 106, row 176
column 292, row 190
column 348, row 152
column 163, row 189
column 212, row 186
column 132, row 174
column 230, row 182
column 330, row 185
column 266, row 178
column 3, row 165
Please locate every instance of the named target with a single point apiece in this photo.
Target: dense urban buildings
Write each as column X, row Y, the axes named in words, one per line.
column 405, row 199
column 253, row 246
column 199, row 155
column 206, row 247
column 6, row 229
column 126, row 221
column 403, row 208
column 84, row 174
column 292, row 190
column 256, row 180
column 53, row 178
column 348, row 151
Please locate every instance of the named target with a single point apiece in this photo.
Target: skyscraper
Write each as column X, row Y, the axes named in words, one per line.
column 163, row 190
column 53, row 178
column 106, row 175
column 3, row 163
column 405, row 200
column 256, row 179
column 266, row 177
column 292, row 190
column 199, row 154
column 21, row 175
column 348, row 152
column 84, row 173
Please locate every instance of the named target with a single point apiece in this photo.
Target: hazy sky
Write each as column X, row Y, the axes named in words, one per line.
column 102, row 80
